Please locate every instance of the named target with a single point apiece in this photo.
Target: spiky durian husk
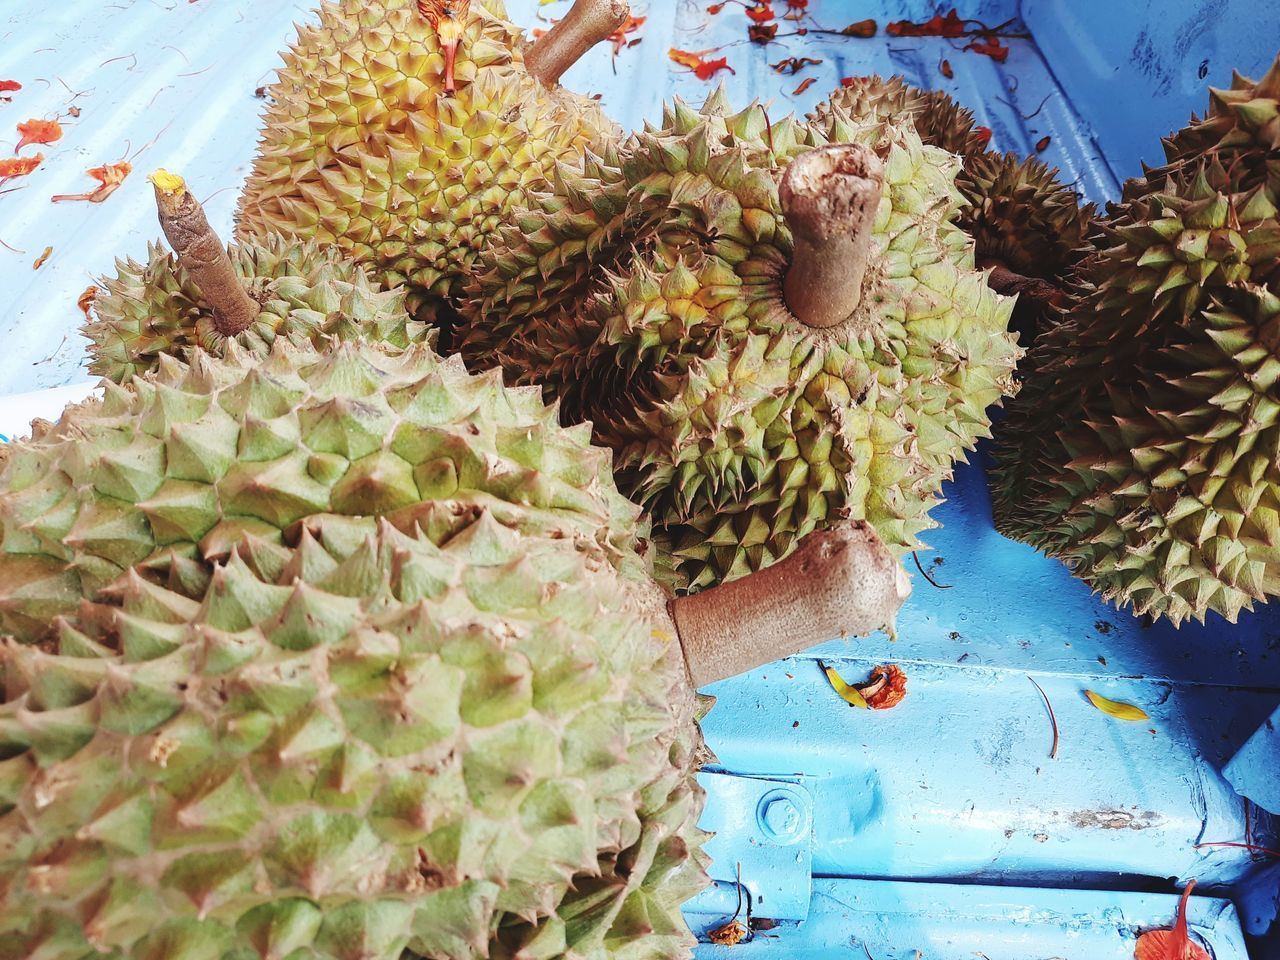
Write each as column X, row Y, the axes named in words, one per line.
column 1241, row 127
column 938, row 118
column 1021, row 216
column 739, row 428
column 431, row 713
column 1142, row 448
column 155, row 308
column 362, row 148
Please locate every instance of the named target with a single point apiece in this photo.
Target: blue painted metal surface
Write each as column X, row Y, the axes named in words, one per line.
column 1253, row 770
column 956, row 783
column 856, row 919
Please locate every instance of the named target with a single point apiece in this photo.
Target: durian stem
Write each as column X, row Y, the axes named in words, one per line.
column 1005, row 281
column 586, row 24
column 839, row 582
column 202, row 255
column 829, row 198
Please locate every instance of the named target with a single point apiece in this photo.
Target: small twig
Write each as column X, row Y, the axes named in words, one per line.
column 867, row 951
column 738, row 909
column 923, row 573
column 1053, row 752
column 1242, row 846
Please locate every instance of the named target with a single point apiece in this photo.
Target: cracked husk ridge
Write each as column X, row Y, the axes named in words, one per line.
column 365, row 147
column 740, row 428
column 338, row 651
column 1144, row 449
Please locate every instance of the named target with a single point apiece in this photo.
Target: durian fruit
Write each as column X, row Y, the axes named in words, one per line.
column 1143, row 449
column 746, row 408
column 279, row 288
column 405, row 133
column 938, row 118
column 1027, row 226
column 341, row 652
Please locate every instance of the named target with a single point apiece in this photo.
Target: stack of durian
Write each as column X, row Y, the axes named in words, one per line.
column 317, row 645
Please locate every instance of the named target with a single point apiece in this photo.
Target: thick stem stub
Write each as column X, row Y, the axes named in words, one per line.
column 586, row 24
column 829, row 199
column 839, row 582
column 202, row 255
column 1043, row 292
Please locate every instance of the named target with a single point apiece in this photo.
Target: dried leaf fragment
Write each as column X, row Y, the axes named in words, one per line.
column 38, row 131
column 763, row 33
column 863, row 29
column 1042, row 144
column 1175, row 944
column 805, row 84
column 40, row 260
column 1114, row 708
column 19, row 167
column 945, row 69
column 794, row 65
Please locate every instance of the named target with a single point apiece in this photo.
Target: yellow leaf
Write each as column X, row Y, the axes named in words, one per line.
column 849, row 694
column 1113, row 708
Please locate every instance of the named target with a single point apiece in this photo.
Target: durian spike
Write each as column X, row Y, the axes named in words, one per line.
column 202, row 254
column 829, row 198
column 586, row 24
column 1004, row 281
column 839, row 582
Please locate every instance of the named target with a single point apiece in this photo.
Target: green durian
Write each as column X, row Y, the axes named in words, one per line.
column 1143, row 447
column 938, row 118
column 405, row 133
column 648, row 298
column 342, row 652
column 285, row 289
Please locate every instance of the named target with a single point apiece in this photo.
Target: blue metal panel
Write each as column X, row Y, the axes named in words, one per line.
column 854, row 920
column 1255, row 770
column 1137, row 69
column 953, row 784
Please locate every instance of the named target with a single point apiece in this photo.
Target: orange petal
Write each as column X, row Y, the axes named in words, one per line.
column 38, row 131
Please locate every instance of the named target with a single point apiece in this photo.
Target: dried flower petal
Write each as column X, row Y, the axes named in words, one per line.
column 804, row 85
column 761, row 13
column 730, row 935
column 86, row 301
column 19, row 167
column 703, row 69
column 109, row 177
column 38, row 131
column 40, row 260
column 991, row 47
column 619, row 36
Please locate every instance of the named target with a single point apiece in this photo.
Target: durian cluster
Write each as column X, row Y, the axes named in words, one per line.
column 647, row 296
column 1144, row 449
column 336, row 652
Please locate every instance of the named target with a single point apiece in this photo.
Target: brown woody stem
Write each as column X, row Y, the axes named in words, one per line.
column 586, row 24
column 202, row 255
column 1005, row 281
column 829, row 199
column 839, row 582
